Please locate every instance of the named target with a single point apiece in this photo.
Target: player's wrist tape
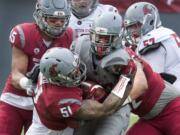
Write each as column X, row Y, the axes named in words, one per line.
column 120, row 87
column 24, row 81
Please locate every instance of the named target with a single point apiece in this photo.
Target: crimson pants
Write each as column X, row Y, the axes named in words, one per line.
column 166, row 123
column 13, row 119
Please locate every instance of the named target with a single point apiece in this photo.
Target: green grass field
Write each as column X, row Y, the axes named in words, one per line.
column 133, row 119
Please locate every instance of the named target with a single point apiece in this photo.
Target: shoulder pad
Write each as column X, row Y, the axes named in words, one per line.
column 80, row 44
column 154, row 37
column 159, row 34
column 118, row 57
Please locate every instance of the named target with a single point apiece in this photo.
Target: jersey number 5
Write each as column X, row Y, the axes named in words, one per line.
column 66, row 111
column 12, row 36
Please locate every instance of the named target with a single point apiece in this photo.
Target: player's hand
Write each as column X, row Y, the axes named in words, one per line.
column 27, row 85
column 93, row 91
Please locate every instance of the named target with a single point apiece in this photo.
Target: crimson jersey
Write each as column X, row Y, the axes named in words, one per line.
column 28, row 38
column 56, row 105
column 156, row 85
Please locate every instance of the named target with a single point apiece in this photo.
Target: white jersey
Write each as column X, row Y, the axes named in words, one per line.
column 82, row 26
column 161, row 49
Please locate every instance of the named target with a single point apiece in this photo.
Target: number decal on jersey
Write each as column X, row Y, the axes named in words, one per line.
column 177, row 39
column 12, row 36
column 66, row 111
column 149, row 41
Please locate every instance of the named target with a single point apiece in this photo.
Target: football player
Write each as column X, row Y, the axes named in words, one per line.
column 158, row 45
column 84, row 12
column 59, row 104
column 96, row 46
column 29, row 41
column 154, row 100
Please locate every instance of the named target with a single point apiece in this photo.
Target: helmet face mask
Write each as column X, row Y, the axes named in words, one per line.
column 145, row 16
column 62, row 67
column 132, row 33
column 105, row 32
column 46, row 9
column 102, row 44
column 82, row 8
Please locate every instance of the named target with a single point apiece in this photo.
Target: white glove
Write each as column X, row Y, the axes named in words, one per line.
column 27, row 84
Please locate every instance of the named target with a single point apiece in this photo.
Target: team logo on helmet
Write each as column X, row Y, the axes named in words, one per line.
column 59, row 13
column 52, row 70
column 147, row 9
column 101, row 30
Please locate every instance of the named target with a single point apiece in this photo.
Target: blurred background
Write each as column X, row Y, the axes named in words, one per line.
column 13, row 12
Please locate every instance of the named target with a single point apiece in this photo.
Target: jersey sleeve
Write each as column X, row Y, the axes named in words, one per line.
column 16, row 37
column 66, row 108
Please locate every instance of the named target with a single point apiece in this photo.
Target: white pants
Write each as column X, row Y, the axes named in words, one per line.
column 37, row 128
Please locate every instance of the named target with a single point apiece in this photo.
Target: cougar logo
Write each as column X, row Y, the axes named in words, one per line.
column 147, row 10
column 53, row 71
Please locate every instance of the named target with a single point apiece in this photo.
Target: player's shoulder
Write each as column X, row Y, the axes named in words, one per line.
column 23, row 29
column 155, row 38
column 82, row 43
column 159, row 35
column 120, row 56
column 20, row 33
column 25, row 26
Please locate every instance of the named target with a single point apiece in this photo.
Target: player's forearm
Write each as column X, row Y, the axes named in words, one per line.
column 92, row 109
column 116, row 99
column 16, row 77
column 140, row 84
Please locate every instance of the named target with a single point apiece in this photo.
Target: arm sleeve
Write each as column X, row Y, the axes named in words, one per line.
column 17, row 37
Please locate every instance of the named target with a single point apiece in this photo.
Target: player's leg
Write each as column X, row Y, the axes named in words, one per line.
column 27, row 117
column 171, row 117
column 115, row 124
column 86, row 128
column 143, row 128
column 11, row 122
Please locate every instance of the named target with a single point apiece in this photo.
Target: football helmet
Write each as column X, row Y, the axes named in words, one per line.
column 54, row 9
column 62, row 67
column 82, row 8
column 105, row 32
column 140, row 18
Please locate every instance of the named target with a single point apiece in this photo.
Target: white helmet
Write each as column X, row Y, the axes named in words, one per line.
column 107, row 25
column 62, row 67
column 144, row 16
column 52, row 8
column 82, row 8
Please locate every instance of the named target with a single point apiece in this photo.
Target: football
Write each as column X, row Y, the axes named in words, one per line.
column 93, row 91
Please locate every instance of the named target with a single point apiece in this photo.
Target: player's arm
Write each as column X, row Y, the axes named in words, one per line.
column 19, row 66
column 19, row 60
column 140, row 83
column 91, row 109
